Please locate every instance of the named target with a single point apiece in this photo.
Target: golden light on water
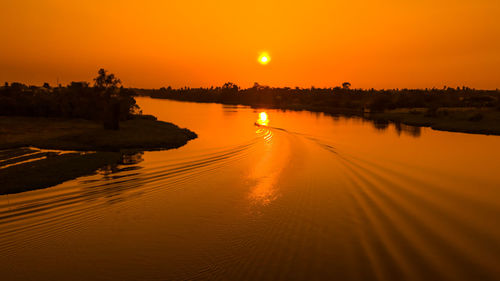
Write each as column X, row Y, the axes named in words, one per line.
column 264, row 58
column 263, row 119
column 263, row 116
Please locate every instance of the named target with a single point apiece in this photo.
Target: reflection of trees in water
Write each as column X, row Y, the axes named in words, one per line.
column 132, row 158
column 381, row 125
column 119, row 179
column 413, row 131
column 230, row 109
column 126, row 159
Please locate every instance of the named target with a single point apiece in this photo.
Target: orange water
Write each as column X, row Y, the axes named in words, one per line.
column 310, row 197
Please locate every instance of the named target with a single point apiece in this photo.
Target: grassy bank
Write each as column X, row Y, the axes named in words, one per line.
column 451, row 119
column 23, row 169
column 79, row 134
column 465, row 120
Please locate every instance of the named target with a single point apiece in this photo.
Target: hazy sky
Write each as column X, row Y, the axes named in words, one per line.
column 155, row 43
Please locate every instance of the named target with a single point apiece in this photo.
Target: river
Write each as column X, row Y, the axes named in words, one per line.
column 309, row 197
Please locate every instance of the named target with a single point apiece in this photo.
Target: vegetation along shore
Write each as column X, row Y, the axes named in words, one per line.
column 460, row 109
column 51, row 135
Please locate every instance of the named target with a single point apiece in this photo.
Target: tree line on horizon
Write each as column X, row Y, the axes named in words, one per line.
column 109, row 101
column 333, row 99
column 105, row 101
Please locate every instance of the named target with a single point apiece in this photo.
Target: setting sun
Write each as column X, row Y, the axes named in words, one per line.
column 264, row 58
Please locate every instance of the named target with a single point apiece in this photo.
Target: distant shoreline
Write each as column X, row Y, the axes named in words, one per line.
column 484, row 121
column 23, row 169
column 460, row 120
column 472, row 120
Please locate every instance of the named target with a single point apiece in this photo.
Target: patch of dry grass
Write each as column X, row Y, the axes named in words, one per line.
column 77, row 134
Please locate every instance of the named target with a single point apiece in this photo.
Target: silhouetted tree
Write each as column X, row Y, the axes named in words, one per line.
column 346, row 85
column 16, row 86
column 46, row 85
column 106, row 81
column 230, row 87
column 108, row 85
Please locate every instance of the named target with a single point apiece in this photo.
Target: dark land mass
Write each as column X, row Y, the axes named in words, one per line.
column 450, row 109
column 83, row 135
column 53, row 169
column 102, row 126
column 23, row 168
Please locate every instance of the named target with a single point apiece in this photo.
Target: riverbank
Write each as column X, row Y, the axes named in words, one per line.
column 81, row 147
column 473, row 120
column 460, row 119
column 464, row 120
column 449, row 109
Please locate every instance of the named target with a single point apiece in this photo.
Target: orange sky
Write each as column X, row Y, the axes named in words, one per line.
column 155, row 43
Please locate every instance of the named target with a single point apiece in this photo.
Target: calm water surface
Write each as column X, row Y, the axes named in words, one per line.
column 312, row 197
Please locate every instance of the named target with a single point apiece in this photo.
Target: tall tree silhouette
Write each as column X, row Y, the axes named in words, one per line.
column 106, row 81
column 346, row 85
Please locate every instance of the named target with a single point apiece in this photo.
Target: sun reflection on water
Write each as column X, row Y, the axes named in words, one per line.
column 267, row 170
column 265, row 133
column 263, row 119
